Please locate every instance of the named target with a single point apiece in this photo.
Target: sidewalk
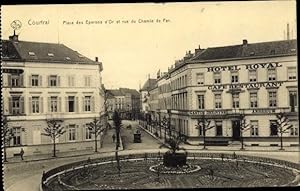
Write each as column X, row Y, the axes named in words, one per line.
column 228, row 148
column 107, row 146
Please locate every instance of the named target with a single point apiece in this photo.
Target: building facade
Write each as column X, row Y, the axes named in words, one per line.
column 221, row 84
column 126, row 101
column 44, row 81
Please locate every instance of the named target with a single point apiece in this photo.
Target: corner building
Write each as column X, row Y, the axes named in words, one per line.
column 44, row 81
column 257, row 80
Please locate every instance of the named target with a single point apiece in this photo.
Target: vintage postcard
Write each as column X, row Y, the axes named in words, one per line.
column 149, row 96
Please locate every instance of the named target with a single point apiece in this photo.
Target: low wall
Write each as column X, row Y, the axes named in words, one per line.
column 51, row 173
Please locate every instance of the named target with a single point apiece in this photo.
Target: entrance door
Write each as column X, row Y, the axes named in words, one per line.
column 236, row 130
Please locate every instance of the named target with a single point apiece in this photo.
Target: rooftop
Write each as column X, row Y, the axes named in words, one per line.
column 149, row 84
column 16, row 50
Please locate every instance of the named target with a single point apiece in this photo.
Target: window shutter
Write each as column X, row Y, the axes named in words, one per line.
column 92, row 104
column 83, row 109
column 66, row 104
column 29, row 81
column 30, row 104
column 67, row 133
column 77, row 133
column 41, row 105
column 49, row 81
column 49, row 104
column 58, row 80
column 9, row 80
column 10, row 105
column 59, row 104
column 40, row 80
column 21, row 80
column 22, row 105
column 76, row 105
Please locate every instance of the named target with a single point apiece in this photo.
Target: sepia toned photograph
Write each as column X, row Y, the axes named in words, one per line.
column 149, row 96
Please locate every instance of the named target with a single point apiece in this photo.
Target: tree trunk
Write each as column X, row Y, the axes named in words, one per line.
column 242, row 140
column 54, row 148
column 96, row 150
column 281, row 143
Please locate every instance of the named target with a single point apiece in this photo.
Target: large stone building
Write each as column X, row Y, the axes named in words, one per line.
column 124, row 100
column 43, row 81
column 258, row 80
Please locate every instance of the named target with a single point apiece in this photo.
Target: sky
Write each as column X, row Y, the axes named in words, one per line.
column 131, row 42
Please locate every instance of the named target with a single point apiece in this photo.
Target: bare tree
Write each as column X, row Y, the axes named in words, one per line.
column 282, row 126
column 118, row 124
column 203, row 124
column 7, row 134
column 54, row 130
column 96, row 127
column 243, row 127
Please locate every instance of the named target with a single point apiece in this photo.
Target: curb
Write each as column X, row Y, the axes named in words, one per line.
column 231, row 148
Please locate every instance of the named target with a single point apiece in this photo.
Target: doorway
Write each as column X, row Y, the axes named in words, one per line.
column 235, row 130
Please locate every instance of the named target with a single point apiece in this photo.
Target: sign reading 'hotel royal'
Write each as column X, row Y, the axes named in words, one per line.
column 245, row 85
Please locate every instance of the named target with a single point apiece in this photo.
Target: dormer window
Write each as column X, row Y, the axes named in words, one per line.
column 252, row 53
column 293, row 50
column 80, row 56
column 50, row 54
column 31, row 53
column 68, row 58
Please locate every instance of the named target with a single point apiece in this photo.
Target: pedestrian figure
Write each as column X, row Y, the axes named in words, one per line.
column 114, row 137
column 22, row 153
column 234, row 155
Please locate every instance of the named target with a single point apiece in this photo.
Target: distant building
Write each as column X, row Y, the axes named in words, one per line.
column 258, row 80
column 124, row 100
column 43, row 81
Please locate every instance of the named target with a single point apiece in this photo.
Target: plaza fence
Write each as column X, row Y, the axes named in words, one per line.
column 158, row 155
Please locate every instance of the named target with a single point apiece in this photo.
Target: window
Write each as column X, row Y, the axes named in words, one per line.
column 31, row 53
column 235, row 100
column 217, row 77
column 87, row 103
column 273, row 128
column 201, row 102
column 292, row 73
column 272, row 74
column 35, row 105
column 71, row 103
column 254, row 128
column 50, row 54
column 87, row 81
column 252, row 76
column 71, row 81
column 293, row 100
column 272, row 99
column 35, row 80
column 234, row 77
column 16, row 105
column 53, row 104
column 72, row 133
column 53, row 80
column 200, row 78
column 218, row 101
column 253, row 99
column 88, row 133
column 294, row 131
column 219, row 131
column 15, row 80
column 16, row 136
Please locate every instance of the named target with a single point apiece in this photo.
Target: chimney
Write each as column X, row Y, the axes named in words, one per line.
column 245, row 42
column 288, row 31
column 14, row 37
column 96, row 59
